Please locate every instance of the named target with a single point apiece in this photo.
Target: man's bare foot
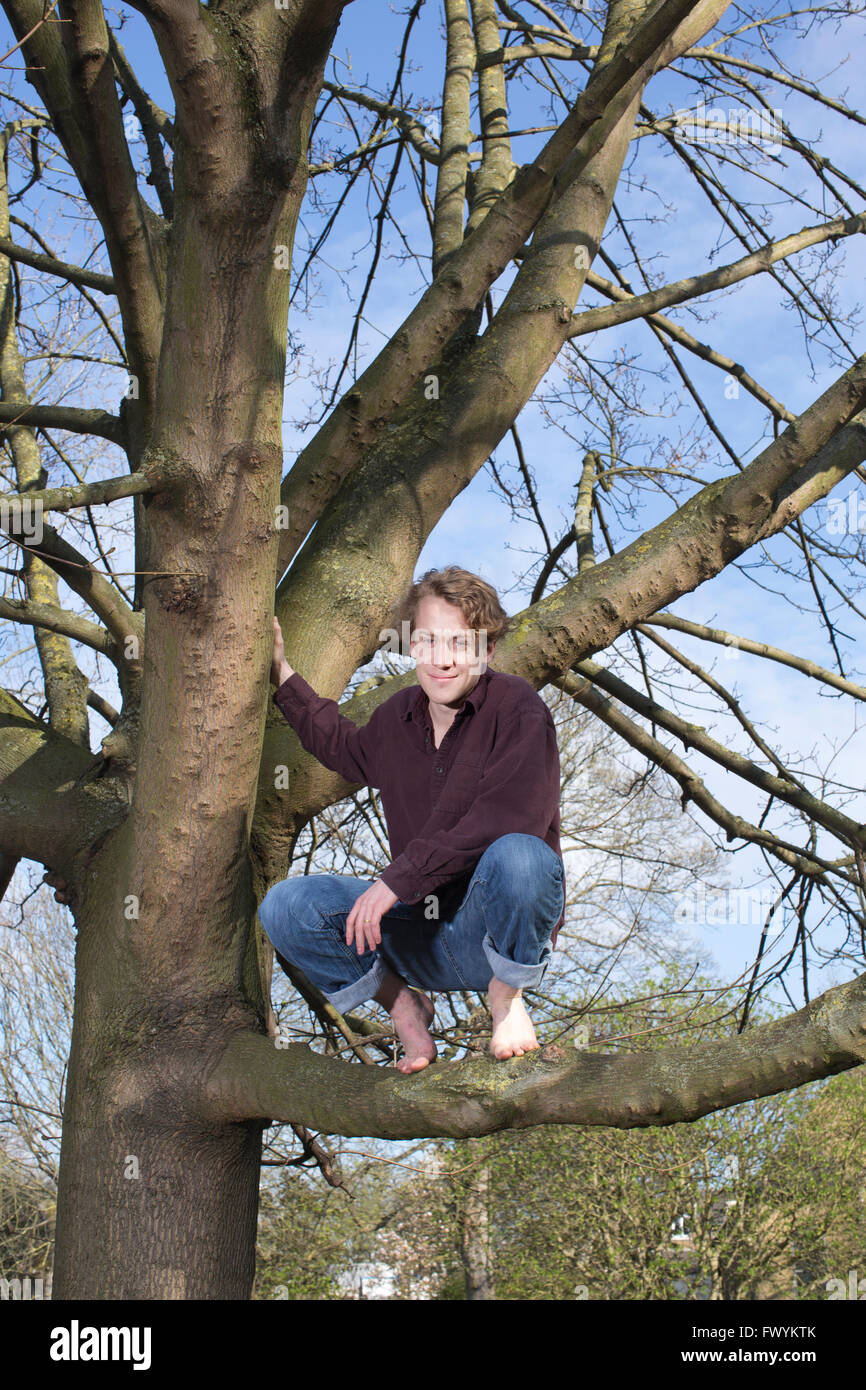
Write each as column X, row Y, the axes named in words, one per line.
column 513, row 1033
column 411, row 1013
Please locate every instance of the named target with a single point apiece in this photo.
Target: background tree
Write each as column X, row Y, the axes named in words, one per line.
column 170, row 834
column 26, row 1228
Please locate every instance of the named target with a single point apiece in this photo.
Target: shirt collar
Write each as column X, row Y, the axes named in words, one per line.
column 416, row 707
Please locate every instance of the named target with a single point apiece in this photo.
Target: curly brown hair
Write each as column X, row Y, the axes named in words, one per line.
column 477, row 600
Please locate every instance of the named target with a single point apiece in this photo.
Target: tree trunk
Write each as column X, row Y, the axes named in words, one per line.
column 475, row 1235
column 158, row 1194
column 157, row 1197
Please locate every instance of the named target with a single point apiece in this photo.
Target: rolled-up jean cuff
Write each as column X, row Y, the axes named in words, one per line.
column 512, row 972
column 350, row 996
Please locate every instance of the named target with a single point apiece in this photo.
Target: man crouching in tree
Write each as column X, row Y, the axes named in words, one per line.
column 467, row 765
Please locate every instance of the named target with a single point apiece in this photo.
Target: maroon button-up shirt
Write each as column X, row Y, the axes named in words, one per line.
column 495, row 773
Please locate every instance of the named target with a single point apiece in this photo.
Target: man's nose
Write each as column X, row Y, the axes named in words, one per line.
column 442, row 652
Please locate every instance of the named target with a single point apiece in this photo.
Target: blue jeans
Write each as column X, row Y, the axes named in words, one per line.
column 502, row 927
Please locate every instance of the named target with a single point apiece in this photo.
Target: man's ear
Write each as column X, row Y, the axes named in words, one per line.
column 490, row 651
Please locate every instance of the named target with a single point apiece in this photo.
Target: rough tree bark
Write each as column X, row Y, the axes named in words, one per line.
column 158, row 1197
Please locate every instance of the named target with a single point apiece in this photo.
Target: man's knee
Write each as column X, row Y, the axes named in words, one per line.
column 286, row 909
column 526, row 862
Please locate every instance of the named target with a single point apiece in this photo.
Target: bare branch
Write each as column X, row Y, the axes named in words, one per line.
column 583, row 511
column 84, row 580
column 745, row 644
column 58, row 620
column 44, row 18
column 63, row 499
column 62, row 417
column 108, row 712
column 591, row 320
column 693, row 787
column 76, row 274
column 693, row 735
column 783, row 78
column 703, row 350
column 408, row 125
column 450, row 199
column 718, row 689
column 699, row 540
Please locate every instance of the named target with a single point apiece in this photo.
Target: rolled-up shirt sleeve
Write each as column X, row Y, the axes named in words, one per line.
column 334, row 741
column 518, row 793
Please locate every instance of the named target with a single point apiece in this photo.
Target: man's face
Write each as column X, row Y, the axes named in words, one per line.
column 449, row 656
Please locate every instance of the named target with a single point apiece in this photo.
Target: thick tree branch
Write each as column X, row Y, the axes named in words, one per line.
column 135, row 244
column 55, row 619
column 497, row 166
column 495, row 57
column 48, row 810
column 61, row 417
column 450, row 198
column 582, row 528
column 75, row 274
column 63, row 499
column 8, row 864
column 255, row 1080
column 154, row 124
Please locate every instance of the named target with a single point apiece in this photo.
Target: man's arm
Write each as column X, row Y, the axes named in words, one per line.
column 332, row 739
column 518, row 792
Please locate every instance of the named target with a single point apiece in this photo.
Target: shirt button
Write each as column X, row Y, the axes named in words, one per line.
column 438, row 769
